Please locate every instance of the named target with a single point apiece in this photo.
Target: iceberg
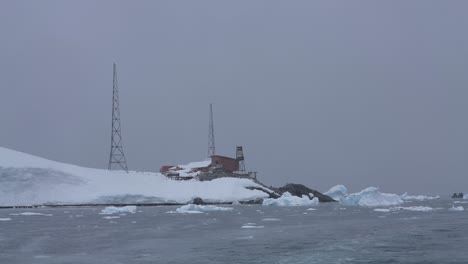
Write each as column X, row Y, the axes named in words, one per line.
column 337, row 192
column 456, row 208
column 288, row 199
column 371, row 197
column 118, row 210
column 28, row 180
column 198, row 209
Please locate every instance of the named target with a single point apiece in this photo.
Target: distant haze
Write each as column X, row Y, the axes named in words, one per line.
column 361, row 93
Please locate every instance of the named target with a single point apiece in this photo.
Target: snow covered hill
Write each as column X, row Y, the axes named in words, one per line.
column 30, row 180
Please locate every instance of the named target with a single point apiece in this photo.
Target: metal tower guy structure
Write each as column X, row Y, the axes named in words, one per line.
column 240, row 158
column 211, row 139
column 117, row 157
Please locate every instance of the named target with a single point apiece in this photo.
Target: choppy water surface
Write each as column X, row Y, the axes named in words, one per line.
column 247, row 234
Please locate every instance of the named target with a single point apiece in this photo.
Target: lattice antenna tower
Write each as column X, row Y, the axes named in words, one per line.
column 211, row 137
column 240, row 158
column 117, row 160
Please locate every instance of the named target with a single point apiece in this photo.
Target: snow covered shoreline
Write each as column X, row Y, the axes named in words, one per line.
column 27, row 180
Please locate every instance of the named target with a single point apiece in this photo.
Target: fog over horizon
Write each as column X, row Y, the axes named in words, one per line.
column 320, row 93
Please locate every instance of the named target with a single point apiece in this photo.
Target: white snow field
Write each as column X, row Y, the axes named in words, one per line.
column 289, row 200
column 29, row 180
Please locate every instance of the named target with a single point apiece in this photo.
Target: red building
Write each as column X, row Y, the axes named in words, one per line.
column 226, row 164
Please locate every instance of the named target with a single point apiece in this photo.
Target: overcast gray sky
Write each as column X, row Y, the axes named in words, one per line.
column 361, row 93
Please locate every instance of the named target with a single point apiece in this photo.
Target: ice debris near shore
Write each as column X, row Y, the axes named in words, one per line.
column 199, row 209
column 288, row 199
column 29, row 180
column 372, row 197
column 118, row 210
column 456, row 208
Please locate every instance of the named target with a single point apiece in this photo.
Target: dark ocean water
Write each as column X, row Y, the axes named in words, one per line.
column 329, row 234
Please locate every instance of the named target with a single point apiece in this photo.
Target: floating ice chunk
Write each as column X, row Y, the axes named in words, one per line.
column 371, row 197
column 417, row 208
column 407, row 197
column 311, row 209
column 198, row 209
column 5, row 219
column 382, row 210
column 465, row 197
column 236, row 203
column 288, row 199
column 118, row 210
column 31, row 213
column 456, row 208
column 252, row 226
column 409, row 208
column 111, row 217
column 271, row 219
column 337, row 192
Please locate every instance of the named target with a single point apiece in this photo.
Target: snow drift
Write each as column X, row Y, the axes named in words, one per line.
column 289, row 200
column 30, row 180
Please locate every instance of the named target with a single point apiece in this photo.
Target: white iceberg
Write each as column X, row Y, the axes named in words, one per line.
column 465, row 197
column 337, row 192
column 371, row 197
column 456, row 208
column 288, row 199
column 28, row 180
column 198, row 209
column 5, row 219
column 118, row 210
column 408, row 197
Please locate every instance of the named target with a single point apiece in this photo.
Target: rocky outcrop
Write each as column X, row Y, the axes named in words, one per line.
column 300, row 190
column 198, row 201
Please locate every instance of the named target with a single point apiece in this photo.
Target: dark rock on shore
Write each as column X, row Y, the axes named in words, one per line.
column 198, row 201
column 299, row 190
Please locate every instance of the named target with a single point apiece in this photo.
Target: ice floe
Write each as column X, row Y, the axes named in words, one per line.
column 456, row 208
column 408, row 208
column 118, row 210
column 288, row 199
column 251, row 225
column 111, row 217
column 406, row 196
column 31, row 214
column 5, row 219
column 198, row 209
